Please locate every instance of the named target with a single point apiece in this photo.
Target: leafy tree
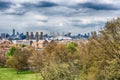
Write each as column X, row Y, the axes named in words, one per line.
column 104, row 54
column 58, row 63
column 19, row 58
column 22, row 45
column 72, row 47
column 95, row 59
column 110, row 43
column 10, row 52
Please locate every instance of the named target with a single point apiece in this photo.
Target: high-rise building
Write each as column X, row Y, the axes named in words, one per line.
column 13, row 32
column 41, row 35
column 3, row 35
column 69, row 34
column 27, row 35
column 17, row 33
column 36, row 36
column 31, row 36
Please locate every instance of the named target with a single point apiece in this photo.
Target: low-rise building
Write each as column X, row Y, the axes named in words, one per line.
column 40, row 44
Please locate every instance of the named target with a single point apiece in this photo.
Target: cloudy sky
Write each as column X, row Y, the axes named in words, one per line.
column 76, row 16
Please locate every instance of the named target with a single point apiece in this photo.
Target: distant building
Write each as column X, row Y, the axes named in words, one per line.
column 5, row 45
column 27, row 35
column 40, row 44
column 3, row 35
column 32, row 36
column 94, row 34
column 41, row 35
column 7, row 35
column 26, row 42
column 36, row 36
column 86, row 36
column 17, row 33
column 13, row 32
column 22, row 36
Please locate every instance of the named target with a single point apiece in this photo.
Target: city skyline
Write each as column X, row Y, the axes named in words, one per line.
column 75, row 16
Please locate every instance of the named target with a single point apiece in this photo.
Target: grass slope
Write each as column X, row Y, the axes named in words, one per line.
column 10, row 74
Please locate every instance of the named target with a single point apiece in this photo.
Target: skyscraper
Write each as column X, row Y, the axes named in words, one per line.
column 37, row 36
column 31, row 36
column 41, row 35
column 27, row 35
column 3, row 35
column 13, row 32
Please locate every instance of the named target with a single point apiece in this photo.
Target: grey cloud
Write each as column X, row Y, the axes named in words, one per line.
column 26, row 7
column 43, row 21
column 40, row 4
column 79, row 25
column 58, row 13
column 97, row 6
column 18, row 12
column 5, row 5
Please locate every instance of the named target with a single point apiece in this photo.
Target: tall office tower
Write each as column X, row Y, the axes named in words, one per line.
column 31, row 36
column 13, row 32
column 27, row 35
column 36, row 36
column 17, row 33
column 41, row 35
column 3, row 35
column 69, row 34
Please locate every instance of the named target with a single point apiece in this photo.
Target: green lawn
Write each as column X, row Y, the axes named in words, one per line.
column 10, row 74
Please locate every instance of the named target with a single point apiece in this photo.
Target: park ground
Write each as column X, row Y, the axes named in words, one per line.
column 10, row 74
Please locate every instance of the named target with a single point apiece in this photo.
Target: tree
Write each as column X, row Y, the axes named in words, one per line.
column 100, row 57
column 104, row 53
column 72, row 47
column 96, row 59
column 10, row 52
column 110, row 43
column 19, row 58
column 57, row 63
column 2, row 58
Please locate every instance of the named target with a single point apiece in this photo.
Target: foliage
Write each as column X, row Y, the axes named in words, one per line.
column 22, row 45
column 19, row 59
column 95, row 59
column 104, row 54
column 110, row 43
column 72, row 47
column 58, row 63
column 98, row 59
column 10, row 52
